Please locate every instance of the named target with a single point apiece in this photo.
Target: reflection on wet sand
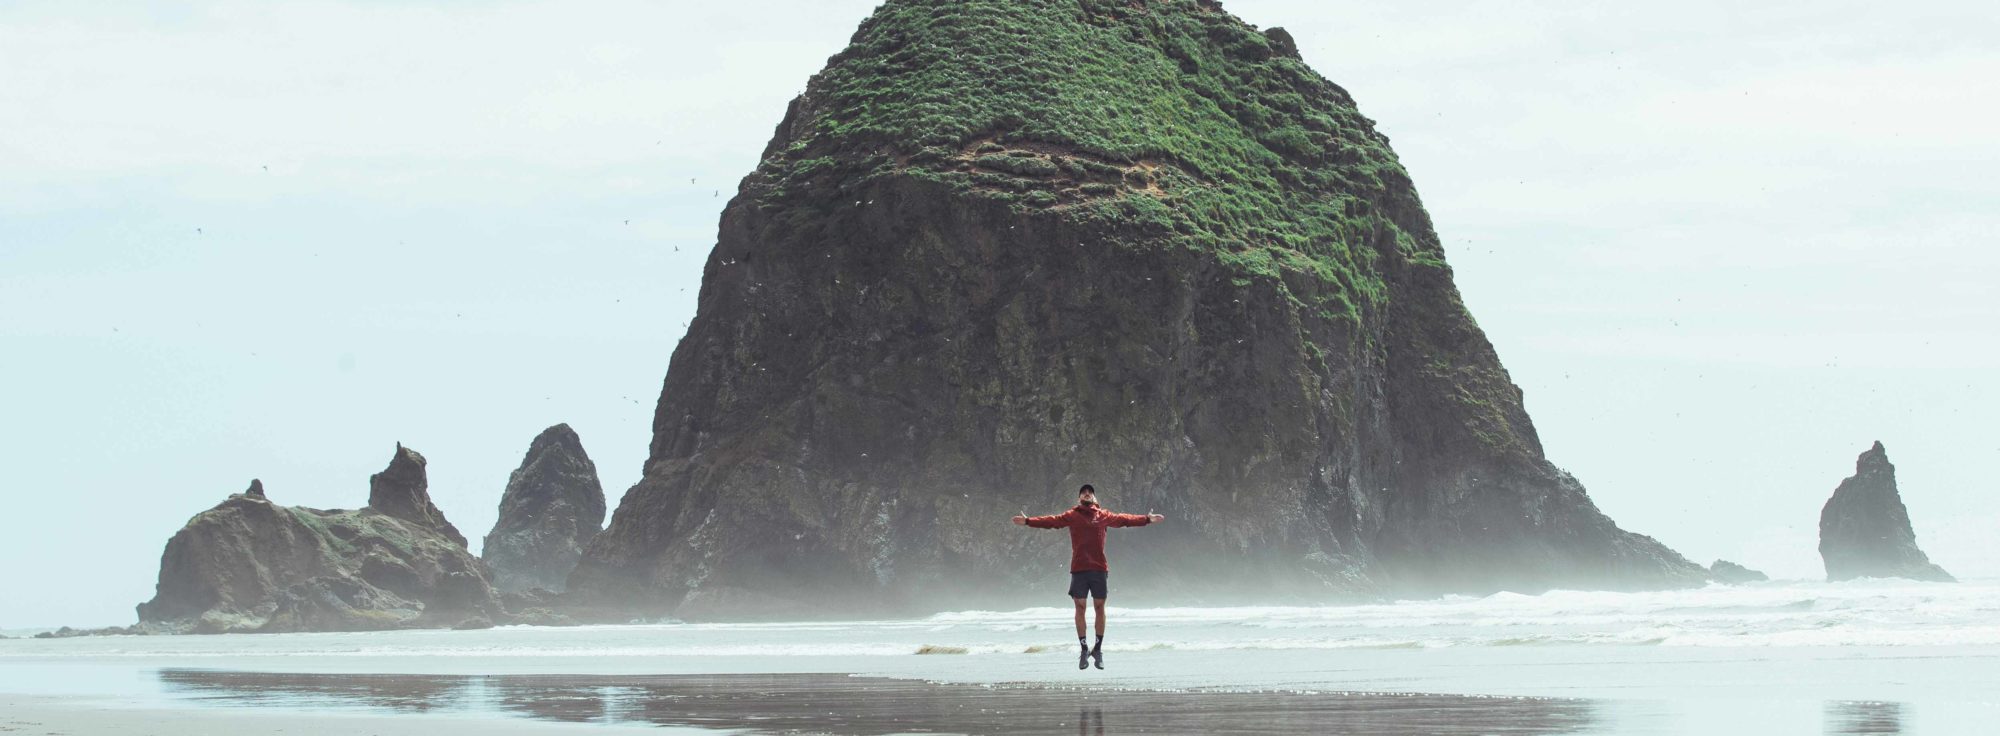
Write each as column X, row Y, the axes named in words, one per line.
column 839, row 704
column 1857, row 717
column 1090, row 722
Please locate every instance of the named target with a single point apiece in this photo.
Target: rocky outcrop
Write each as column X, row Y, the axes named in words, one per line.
column 552, row 507
column 1864, row 529
column 1730, row 573
column 403, row 490
column 252, row 565
column 1000, row 248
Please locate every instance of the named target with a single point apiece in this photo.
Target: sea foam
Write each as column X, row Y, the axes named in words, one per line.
column 1873, row 613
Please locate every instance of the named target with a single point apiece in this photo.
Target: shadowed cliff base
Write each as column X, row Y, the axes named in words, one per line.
column 1002, row 248
column 865, row 706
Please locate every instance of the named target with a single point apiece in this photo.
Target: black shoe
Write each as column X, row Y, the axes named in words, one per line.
column 1097, row 658
column 1083, row 660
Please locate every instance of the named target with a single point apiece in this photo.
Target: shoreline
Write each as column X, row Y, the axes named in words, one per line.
column 1914, row 660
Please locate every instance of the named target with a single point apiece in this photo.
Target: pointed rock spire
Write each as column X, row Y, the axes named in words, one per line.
column 402, row 490
column 1864, row 529
column 552, row 507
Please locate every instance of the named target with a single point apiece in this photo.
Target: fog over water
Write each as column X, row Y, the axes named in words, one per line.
column 1721, row 249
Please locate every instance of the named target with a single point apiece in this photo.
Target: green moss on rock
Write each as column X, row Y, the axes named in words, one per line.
column 1242, row 146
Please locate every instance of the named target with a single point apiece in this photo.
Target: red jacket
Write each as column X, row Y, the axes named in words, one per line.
column 1086, row 533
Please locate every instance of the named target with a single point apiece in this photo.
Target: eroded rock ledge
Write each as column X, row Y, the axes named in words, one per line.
column 252, row 565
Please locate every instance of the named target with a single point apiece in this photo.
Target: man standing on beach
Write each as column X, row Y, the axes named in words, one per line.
column 1087, row 523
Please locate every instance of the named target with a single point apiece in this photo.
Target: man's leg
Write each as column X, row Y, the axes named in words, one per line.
column 1100, row 619
column 1098, row 594
column 1080, row 631
column 1082, row 658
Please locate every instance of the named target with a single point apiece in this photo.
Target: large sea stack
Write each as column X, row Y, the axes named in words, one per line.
column 252, row 565
column 1001, row 248
column 1864, row 529
column 552, row 507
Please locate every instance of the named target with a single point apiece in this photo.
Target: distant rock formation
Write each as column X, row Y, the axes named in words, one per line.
column 552, row 507
column 252, row 565
column 1724, row 571
column 1864, row 529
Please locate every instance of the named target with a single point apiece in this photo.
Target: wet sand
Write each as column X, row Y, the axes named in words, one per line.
column 22, row 715
column 184, row 702
column 856, row 706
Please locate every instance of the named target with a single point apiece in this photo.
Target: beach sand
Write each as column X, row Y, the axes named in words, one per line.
column 22, row 715
column 419, row 705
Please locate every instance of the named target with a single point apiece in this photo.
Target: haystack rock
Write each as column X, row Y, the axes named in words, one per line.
column 1001, row 248
column 552, row 507
column 1864, row 529
column 252, row 565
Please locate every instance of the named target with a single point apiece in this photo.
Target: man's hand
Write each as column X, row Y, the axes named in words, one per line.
column 1155, row 518
column 1020, row 521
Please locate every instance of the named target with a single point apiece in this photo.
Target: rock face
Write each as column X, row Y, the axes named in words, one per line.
column 1001, row 248
column 252, row 565
column 402, row 490
column 1864, row 529
column 552, row 507
column 1724, row 571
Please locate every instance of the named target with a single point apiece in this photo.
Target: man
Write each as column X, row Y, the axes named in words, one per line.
column 1087, row 570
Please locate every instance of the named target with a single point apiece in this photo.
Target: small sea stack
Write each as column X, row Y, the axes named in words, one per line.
column 552, row 507
column 1730, row 573
column 1864, row 529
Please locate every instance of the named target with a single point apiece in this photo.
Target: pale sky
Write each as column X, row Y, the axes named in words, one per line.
column 1722, row 249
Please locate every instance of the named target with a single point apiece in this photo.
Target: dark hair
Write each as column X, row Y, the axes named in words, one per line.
column 1086, row 487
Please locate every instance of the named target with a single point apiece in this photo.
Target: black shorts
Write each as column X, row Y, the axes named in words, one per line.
column 1087, row 582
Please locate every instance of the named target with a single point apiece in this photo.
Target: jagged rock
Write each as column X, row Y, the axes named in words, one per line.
column 402, row 490
column 1724, row 571
column 70, row 633
column 251, row 565
column 1000, row 248
column 1864, row 529
column 340, row 603
column 552, row 507
column 1282, row 43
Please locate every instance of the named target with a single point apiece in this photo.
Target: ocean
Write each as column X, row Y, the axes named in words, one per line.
column 1870, row 656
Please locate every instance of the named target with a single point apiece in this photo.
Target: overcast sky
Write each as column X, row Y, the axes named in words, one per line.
column 1722, row 249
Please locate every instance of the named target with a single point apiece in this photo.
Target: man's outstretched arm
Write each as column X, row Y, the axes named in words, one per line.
column 1057, row 521
column 1134, row 519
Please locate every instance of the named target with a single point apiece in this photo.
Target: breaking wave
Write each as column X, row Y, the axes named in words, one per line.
column 1872, row 613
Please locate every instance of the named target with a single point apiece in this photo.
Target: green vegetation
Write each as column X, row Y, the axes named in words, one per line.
column 1171, row 113
column 337, row 530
